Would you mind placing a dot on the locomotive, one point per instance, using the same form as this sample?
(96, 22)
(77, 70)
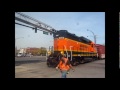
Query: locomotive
(76, 49)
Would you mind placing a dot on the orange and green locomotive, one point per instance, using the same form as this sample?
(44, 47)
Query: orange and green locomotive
(76, 49)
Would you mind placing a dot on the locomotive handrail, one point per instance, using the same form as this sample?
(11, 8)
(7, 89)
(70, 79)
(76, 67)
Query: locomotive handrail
(71, 52)
(66, 51)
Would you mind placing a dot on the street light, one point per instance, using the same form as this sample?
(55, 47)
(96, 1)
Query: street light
(16, 39)
(15, 44)
(93, 36)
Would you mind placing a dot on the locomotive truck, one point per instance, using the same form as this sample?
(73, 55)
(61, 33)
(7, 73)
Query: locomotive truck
(76, 49)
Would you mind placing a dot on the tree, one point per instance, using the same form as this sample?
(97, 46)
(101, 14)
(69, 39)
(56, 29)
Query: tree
(43, 51)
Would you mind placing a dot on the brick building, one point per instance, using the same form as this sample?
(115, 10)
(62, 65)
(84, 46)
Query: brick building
(36, 51)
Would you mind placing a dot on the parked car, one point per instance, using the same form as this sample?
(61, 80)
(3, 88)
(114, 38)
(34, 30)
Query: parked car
(27, 55)
(20, 55)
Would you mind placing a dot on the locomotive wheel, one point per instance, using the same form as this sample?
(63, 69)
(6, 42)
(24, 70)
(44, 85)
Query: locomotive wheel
(75, 63)
(48, 64)
(82, 61)
(93, 59)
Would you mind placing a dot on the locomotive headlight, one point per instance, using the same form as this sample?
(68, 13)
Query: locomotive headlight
(62, 52)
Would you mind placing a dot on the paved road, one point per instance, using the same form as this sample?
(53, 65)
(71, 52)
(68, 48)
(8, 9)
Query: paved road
(38, 69)
(33, 59)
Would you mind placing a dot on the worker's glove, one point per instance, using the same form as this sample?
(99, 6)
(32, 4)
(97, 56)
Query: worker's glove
(68, 72)
(56, 68)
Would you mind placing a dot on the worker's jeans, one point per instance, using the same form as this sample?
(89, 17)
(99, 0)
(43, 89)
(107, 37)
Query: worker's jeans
(64, 73)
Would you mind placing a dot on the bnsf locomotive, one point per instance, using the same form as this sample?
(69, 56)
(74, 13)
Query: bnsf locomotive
(76, 49)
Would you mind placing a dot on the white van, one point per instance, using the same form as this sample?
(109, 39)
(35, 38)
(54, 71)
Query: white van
(19, 54)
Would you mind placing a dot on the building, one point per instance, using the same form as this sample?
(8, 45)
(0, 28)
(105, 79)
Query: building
(36, 51)
(32, 50)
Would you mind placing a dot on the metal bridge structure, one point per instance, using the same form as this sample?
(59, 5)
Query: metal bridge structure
(33, 23)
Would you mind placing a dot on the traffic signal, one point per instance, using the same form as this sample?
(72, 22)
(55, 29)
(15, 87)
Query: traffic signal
(50, 33)
(35, 30)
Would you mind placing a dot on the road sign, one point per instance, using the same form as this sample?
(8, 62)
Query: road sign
(45, 32)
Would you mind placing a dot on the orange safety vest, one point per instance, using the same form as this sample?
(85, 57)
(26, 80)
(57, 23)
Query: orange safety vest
(63, 66)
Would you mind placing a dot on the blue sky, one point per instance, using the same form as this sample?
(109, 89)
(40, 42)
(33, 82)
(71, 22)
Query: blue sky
(74, 22)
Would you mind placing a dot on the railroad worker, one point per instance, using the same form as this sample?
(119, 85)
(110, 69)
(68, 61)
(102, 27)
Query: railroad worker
(64, 66)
